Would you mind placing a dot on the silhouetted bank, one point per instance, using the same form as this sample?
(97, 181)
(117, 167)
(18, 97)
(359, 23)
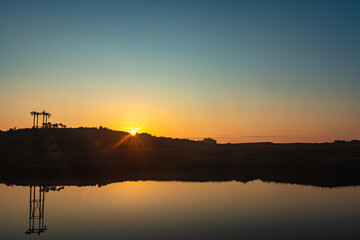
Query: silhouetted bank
(87, 156)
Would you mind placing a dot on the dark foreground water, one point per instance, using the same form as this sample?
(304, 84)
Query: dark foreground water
(183, 210)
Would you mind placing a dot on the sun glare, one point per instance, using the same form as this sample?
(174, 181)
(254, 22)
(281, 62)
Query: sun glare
(133, 132)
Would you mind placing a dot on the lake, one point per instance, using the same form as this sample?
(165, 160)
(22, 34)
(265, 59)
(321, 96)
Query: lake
(185, 210)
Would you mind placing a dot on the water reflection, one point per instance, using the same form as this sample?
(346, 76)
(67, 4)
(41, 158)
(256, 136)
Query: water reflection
(37, 208)
(183, 210)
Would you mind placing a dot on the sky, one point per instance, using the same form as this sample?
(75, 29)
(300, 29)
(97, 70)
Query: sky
(236, 71)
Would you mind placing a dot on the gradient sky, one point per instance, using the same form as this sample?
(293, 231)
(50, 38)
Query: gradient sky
(237, 71)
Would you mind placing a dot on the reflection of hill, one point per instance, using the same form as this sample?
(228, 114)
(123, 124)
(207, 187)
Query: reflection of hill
(101, 156)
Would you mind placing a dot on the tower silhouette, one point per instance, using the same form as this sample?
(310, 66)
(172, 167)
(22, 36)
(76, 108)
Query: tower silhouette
(38, 151)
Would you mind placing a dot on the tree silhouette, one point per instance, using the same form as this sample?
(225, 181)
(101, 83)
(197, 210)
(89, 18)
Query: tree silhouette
(209, 141)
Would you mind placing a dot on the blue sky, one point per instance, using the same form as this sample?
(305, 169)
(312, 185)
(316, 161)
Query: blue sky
(208, 64)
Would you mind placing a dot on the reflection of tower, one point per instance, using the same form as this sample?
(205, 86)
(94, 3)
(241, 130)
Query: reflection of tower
(36, 212)
(37, 208)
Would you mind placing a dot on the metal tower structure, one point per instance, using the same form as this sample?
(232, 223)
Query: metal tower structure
(38, 153)
(45, 116)
(36, 210)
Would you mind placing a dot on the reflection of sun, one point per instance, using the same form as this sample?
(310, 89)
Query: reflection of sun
(133, 132)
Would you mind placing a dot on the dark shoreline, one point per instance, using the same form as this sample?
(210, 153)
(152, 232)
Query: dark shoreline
(58, 179)
(91, 156)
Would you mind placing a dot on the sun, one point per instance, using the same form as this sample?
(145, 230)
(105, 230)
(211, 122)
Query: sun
(133, 132)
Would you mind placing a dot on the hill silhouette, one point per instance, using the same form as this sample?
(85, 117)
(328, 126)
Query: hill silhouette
(88, 156)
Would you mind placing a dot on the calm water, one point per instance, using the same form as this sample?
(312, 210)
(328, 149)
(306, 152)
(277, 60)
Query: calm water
(178, 210)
